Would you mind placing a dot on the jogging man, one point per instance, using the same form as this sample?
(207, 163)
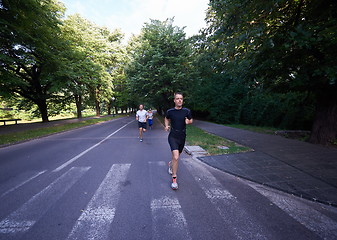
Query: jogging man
(141, 117)
(177, 117)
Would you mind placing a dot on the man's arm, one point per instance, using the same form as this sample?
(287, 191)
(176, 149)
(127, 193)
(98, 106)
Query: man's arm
(167, 124)
(188, 118)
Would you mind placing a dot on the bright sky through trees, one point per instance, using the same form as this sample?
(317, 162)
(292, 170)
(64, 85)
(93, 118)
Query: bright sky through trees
(130, 15)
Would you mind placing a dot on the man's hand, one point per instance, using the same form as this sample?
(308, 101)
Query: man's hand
(188, 121)
(167, 128)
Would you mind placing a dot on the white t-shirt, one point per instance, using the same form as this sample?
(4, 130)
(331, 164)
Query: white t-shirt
(150, 114)
(141, 114)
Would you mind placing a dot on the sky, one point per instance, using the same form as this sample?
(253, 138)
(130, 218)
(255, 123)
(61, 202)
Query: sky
(130, 15)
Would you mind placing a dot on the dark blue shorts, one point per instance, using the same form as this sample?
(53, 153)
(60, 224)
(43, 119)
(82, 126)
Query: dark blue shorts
(142, 125)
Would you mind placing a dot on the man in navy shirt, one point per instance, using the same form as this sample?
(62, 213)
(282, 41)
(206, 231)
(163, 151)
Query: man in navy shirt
(178, 117)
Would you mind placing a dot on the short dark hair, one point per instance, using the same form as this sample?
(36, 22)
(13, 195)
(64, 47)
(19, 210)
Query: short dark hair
(178, 93)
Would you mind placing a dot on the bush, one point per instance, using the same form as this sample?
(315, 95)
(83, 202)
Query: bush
(291, 110)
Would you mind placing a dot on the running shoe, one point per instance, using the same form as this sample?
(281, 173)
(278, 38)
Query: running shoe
(174, 184)
(141, 140)
(170, 167)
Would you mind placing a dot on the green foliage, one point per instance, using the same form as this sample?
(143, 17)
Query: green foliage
(29, 43)
(159, 63)
(286, 111)
(273, 61)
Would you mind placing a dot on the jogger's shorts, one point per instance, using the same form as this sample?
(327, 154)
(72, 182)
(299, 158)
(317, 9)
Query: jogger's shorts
(177, 141)
(142, 125)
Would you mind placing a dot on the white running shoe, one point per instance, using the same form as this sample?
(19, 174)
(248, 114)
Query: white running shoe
(174, 185)
(141, 140)
(170, 167)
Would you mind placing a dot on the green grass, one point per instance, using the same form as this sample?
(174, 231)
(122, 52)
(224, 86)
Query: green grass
(39, 132)
(267, 130)
(210, 142)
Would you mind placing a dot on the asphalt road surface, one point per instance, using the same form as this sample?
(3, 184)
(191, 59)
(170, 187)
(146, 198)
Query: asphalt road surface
(100, 182)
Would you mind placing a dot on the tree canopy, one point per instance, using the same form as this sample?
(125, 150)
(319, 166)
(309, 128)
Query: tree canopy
(160, 63)
(281, 52)
(30, 41)
(269, 63)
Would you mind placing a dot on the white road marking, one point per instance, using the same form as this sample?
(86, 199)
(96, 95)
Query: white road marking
(226, 204)
(312, 219)
(168, 217)
(89, 149)
(95, 221)
(30, 212)
(23, 183)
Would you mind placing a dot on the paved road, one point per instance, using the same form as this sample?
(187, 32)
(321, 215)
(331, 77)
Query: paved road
(100, 182)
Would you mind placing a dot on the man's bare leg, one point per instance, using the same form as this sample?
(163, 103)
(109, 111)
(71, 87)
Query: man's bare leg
(175, 158)
(141, 133)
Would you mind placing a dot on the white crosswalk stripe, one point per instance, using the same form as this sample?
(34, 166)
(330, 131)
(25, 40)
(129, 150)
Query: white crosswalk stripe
(306, 215)
(95, 221)
(226, 204)
(168, 218)
(25, 217)
(166, 211)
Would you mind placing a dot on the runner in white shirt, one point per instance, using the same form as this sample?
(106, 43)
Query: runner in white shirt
(141, 117)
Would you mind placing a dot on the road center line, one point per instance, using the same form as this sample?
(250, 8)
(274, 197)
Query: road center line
(89, 149)
(23, 183)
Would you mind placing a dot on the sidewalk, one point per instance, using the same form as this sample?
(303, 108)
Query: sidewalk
(299, 168)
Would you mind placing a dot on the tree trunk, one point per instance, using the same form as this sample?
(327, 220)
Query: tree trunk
(98, 108)
(324, 129)
(109, 107)
(42, 104)
(78, 101)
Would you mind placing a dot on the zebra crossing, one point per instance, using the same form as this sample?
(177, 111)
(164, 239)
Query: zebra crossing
(168, 215)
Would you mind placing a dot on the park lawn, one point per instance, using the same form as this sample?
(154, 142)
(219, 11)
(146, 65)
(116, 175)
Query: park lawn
(40, 132)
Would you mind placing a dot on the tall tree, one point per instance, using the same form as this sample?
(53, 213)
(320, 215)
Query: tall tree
(282, 46)
(93, 64)
(160, 63)
(29, 45)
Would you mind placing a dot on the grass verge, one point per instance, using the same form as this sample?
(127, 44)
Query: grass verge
(39, 132)
(210, 142)
(267, 130)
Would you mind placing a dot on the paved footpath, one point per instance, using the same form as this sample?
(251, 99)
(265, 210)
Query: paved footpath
(299, 168)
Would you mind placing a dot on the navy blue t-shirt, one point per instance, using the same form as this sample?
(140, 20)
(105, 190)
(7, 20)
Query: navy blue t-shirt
(177, 117)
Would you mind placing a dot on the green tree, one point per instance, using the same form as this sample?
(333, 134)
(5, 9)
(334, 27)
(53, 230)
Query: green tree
(93, 64)
(282, 46)
(29, 43)
(160, 63)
